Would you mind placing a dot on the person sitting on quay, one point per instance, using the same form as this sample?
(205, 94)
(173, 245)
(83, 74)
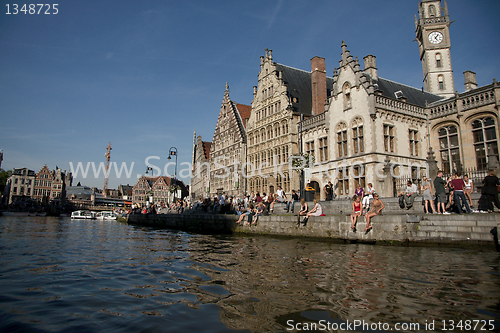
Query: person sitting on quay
(368, 196)
(316, 211)
(280, 197)
(268, 202)
(360, 192)
(377, 206)
(356, 211)
(295, 197)
(469, 189)
(427, 195)
(248, 211)
(259, 211)
(410, 193)
(458, 185)
(491, 190)
(303, 210)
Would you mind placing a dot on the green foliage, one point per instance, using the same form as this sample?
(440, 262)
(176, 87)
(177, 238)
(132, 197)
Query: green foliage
(4, 175)
(300, 164)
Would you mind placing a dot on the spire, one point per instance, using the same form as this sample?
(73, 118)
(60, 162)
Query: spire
(226, 91)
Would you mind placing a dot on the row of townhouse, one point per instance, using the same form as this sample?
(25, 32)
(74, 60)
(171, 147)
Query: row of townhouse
(44, 186)
(157, 190)
(356, 126)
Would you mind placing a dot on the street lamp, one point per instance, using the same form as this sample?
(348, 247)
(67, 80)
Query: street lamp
(150, 169)
(173, 152)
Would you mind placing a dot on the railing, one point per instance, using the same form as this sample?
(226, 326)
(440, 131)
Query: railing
(477, 100)
(443, 109)
(398, 106)
(313, 121)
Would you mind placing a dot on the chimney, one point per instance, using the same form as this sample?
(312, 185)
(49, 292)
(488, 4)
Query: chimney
(370, 66)
(318, 85)
(470, 80)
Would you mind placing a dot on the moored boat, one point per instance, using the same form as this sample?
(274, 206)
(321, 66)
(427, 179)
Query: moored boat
(83, 215)
(106, 215)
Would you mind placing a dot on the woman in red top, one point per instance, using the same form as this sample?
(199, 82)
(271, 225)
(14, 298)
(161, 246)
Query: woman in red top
(356, 211)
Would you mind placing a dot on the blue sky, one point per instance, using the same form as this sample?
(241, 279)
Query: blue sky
(144, 75)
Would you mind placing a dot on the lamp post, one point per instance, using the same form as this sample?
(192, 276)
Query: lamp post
(173, 152)
(152, 173)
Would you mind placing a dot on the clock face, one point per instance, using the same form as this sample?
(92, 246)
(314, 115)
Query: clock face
(435, 37)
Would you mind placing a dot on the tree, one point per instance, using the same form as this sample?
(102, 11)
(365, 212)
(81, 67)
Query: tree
(4, 175)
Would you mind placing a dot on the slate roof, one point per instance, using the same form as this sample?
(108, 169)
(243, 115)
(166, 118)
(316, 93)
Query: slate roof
(298, 84)
(413, 95)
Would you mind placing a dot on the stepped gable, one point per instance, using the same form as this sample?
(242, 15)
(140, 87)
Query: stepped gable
(298, 83)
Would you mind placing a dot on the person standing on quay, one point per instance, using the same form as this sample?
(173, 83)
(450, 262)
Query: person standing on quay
(458, 185)
(427, 194)
(329, 191)
(295, 197)
(439, 185)
(490, 189)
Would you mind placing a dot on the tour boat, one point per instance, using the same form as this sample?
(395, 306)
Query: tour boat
(83, 215)
(106, 215)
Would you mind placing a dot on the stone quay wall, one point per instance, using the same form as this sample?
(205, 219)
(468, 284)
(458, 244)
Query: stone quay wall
(394, 226)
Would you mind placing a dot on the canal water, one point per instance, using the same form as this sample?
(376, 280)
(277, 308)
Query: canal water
(63, 275)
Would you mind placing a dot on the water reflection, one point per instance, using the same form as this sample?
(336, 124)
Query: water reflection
(62, 275)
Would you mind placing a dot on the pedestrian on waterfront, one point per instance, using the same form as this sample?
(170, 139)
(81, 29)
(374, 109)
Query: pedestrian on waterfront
(469, 189)
(246, 213)
(295, 197)
(490, 189)
(439, 185)
(377, 206)
(458, 185)
(411, 193)
(360, 192)
(427, 195)
(368, 197)
(258, 198)
(270, 203)
(259, 211)
(329, 191)
(316, 211)
(303, 210)
(280, 197)
(356, 211)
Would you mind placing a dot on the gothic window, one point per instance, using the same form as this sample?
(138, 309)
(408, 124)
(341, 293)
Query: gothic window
(323, 149)
(357, 136)
(347, 96)
(441, 82)
(448, 148)
(485, 137)
(388, 138)
(343, 181)
(310, 148)
(413, 136)
(438, 60)
(286, 184)
(359, 175)
(342, 139)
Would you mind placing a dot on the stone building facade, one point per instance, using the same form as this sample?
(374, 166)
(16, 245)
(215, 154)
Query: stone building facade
(200, 186)
(20, 185)
(283, 95)
(228, 148)
(361, 128)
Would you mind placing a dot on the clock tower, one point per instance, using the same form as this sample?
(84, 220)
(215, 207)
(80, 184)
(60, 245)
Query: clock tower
(432, 29)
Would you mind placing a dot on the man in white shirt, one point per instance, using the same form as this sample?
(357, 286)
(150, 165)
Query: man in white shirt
(410, 194)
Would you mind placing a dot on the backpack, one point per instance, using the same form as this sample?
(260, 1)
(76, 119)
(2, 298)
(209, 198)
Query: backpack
(402, 202)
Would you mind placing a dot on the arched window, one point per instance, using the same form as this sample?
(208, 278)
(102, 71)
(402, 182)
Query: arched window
(448, 148)
(438, 60)
(347, 96)
(485, 137)
(441, 82)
